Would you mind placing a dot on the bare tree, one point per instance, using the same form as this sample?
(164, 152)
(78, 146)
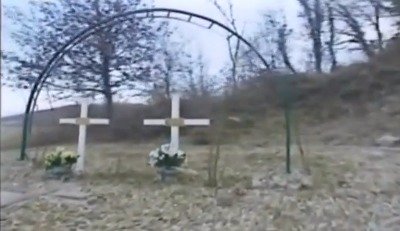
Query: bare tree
(360, 15)
(171, 65)
(198, 80)
(395, 11)
(203, 86)
(111, 61)
(375, 20)
(283, 34)
(373, 11)
(271, 40)
(313, 12)
(396, 5)
(191, 87)
(354, 30)
(234, 43)
(332, 36)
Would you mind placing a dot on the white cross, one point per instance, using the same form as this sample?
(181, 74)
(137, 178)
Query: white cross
(83, 121)
(175, 122)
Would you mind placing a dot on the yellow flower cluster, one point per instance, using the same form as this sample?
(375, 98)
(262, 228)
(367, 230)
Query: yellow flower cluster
(59, 157)
(68, 154)
(48, 160)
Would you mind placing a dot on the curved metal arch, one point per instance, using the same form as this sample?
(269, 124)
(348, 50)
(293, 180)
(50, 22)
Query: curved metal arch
(38, 85)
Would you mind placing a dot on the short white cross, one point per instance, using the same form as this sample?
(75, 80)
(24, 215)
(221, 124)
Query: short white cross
(83, 121)
(175, 122)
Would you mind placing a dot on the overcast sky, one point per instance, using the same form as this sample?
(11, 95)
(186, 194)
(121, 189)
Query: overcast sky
(211, 43)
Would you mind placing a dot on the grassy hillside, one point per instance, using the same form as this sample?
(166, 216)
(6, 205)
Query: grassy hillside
(353, 105)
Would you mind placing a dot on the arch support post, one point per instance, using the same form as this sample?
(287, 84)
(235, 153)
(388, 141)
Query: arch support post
(24, 144)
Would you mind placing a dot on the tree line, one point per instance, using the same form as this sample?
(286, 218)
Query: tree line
(138, 57)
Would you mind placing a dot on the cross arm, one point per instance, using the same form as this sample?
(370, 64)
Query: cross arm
(84, 121)
(198, 122)
(68, 121)
(154, 122)
(99, 121)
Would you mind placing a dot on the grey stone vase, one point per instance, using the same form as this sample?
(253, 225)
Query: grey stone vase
(63, 173)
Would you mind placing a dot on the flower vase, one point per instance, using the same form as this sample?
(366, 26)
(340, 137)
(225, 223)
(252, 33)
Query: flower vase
(59, 172)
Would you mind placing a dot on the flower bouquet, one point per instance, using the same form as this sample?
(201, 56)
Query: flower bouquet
(166, 162)
(59, 162)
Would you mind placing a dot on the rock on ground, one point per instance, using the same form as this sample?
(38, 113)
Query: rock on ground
(388, 140)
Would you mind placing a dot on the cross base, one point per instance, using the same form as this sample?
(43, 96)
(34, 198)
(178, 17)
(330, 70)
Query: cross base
(167, 174)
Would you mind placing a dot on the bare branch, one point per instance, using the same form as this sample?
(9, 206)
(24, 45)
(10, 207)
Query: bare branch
(356, 30)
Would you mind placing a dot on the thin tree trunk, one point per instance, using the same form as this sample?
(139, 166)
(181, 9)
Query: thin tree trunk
(377, 26)
(332, 38)
(315, 17)
(282, 47)
(167, 81)
(107, 85)
(233, 55)
(318, 20)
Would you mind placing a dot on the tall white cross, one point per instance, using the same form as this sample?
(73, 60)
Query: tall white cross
(175, 122)
(83, 121)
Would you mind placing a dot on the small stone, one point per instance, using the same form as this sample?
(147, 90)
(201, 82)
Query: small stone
(278, 181)
(239, 191)
(347, 193)
(392, 222)
(257, 181)
(92, 201)
(9, 197)
(386, 185)
(306, 182)
(71, 192)
(374, 189)
(376, 154)
(224, 200)
(388, 140)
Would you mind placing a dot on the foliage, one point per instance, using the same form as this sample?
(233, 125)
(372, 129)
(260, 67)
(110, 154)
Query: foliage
(162, 158)
(396, 11)
(60, 158)
(113, 60)
(271, 39)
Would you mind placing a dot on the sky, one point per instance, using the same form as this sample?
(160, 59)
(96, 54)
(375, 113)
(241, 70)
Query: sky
(212, 43)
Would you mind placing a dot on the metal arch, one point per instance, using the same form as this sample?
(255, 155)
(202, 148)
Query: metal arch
(38, 85)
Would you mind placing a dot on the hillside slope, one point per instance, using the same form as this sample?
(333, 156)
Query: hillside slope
(353, 105)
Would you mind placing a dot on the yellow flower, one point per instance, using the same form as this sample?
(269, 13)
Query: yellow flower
(59, 154)
(67, 154)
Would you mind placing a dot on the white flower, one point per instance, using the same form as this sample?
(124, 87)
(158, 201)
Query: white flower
(153, 157)
(157, 156)
(165, 148)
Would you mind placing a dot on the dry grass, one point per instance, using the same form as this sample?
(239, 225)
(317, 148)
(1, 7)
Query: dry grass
(121, 182)
(124, 163)
(366, 92)
(118, 164)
